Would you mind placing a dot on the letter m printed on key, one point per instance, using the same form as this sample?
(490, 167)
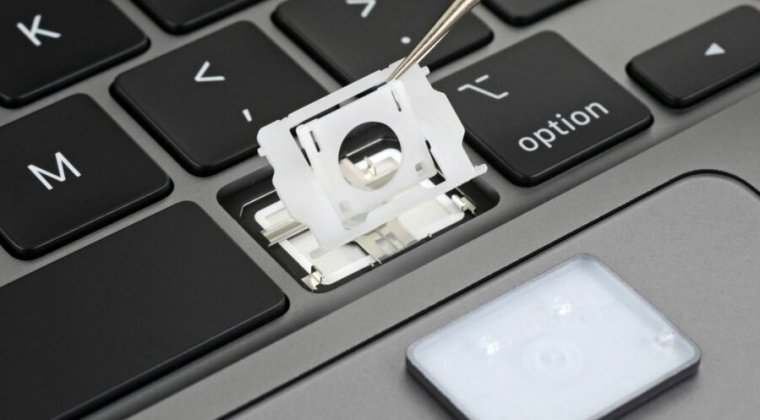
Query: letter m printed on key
(36, 31)
(63, 164)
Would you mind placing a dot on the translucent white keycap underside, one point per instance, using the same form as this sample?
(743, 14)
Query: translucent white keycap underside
(575, 343)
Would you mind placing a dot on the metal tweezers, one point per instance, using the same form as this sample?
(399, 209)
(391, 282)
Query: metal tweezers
(455, 12)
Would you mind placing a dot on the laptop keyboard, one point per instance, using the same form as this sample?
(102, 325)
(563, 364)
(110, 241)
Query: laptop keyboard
(533, 111)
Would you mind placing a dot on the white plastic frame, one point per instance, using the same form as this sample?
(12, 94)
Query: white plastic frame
(315, 191)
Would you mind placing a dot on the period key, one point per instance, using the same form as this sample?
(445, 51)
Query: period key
(541, 107)
(701, 62)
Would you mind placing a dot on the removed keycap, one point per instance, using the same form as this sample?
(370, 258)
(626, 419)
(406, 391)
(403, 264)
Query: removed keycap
(540, 107)
(702, 61)
(575, 343)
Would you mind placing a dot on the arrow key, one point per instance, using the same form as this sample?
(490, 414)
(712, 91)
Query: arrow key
(206, 101)
(703, 61)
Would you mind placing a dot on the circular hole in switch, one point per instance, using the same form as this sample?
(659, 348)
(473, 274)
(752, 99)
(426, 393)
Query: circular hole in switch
(370, 156)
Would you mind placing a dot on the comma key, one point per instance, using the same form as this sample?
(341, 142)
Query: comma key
(541, 107)
(206, 101)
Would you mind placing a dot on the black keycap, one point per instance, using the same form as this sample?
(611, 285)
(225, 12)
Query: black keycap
(703, 61)
(357, 37)
(540, 107)
(207, 101)
(525, 12)
(184, 16)
(48, 44)
(101, 322)
(67, 170)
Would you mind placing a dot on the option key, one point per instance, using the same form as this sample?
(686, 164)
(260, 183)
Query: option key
(540, 107)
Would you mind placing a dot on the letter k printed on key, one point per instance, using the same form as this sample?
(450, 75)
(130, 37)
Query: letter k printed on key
(35, 32)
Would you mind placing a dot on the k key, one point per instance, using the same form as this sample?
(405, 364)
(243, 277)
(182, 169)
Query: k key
(48, 44)
(66, 170)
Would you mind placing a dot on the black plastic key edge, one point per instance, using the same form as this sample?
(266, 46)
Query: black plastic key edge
(525, 20)
(180, 28)
(72, 78)
(181, 156)
(160, 192)
(674, 101)
(154, 129)
(320, 56)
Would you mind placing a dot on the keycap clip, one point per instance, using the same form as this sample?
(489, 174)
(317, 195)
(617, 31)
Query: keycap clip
(340, 200)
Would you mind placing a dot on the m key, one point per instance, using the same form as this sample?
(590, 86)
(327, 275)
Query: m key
(48, 44)
(703, 61)
(540, 107)
(66, 170)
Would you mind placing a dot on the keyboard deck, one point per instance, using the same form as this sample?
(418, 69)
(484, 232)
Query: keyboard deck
(168, 93)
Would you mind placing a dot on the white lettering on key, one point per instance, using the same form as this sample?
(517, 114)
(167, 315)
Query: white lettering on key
(201, 77)
(480, 90)
(35, 32)
(561, 127)
(62, 163)
(369, 5)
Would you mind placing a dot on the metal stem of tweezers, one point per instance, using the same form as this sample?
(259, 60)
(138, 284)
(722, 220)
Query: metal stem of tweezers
(455, 12)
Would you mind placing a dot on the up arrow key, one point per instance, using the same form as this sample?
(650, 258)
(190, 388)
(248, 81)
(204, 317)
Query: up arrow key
(201, 77)
(714, 49)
